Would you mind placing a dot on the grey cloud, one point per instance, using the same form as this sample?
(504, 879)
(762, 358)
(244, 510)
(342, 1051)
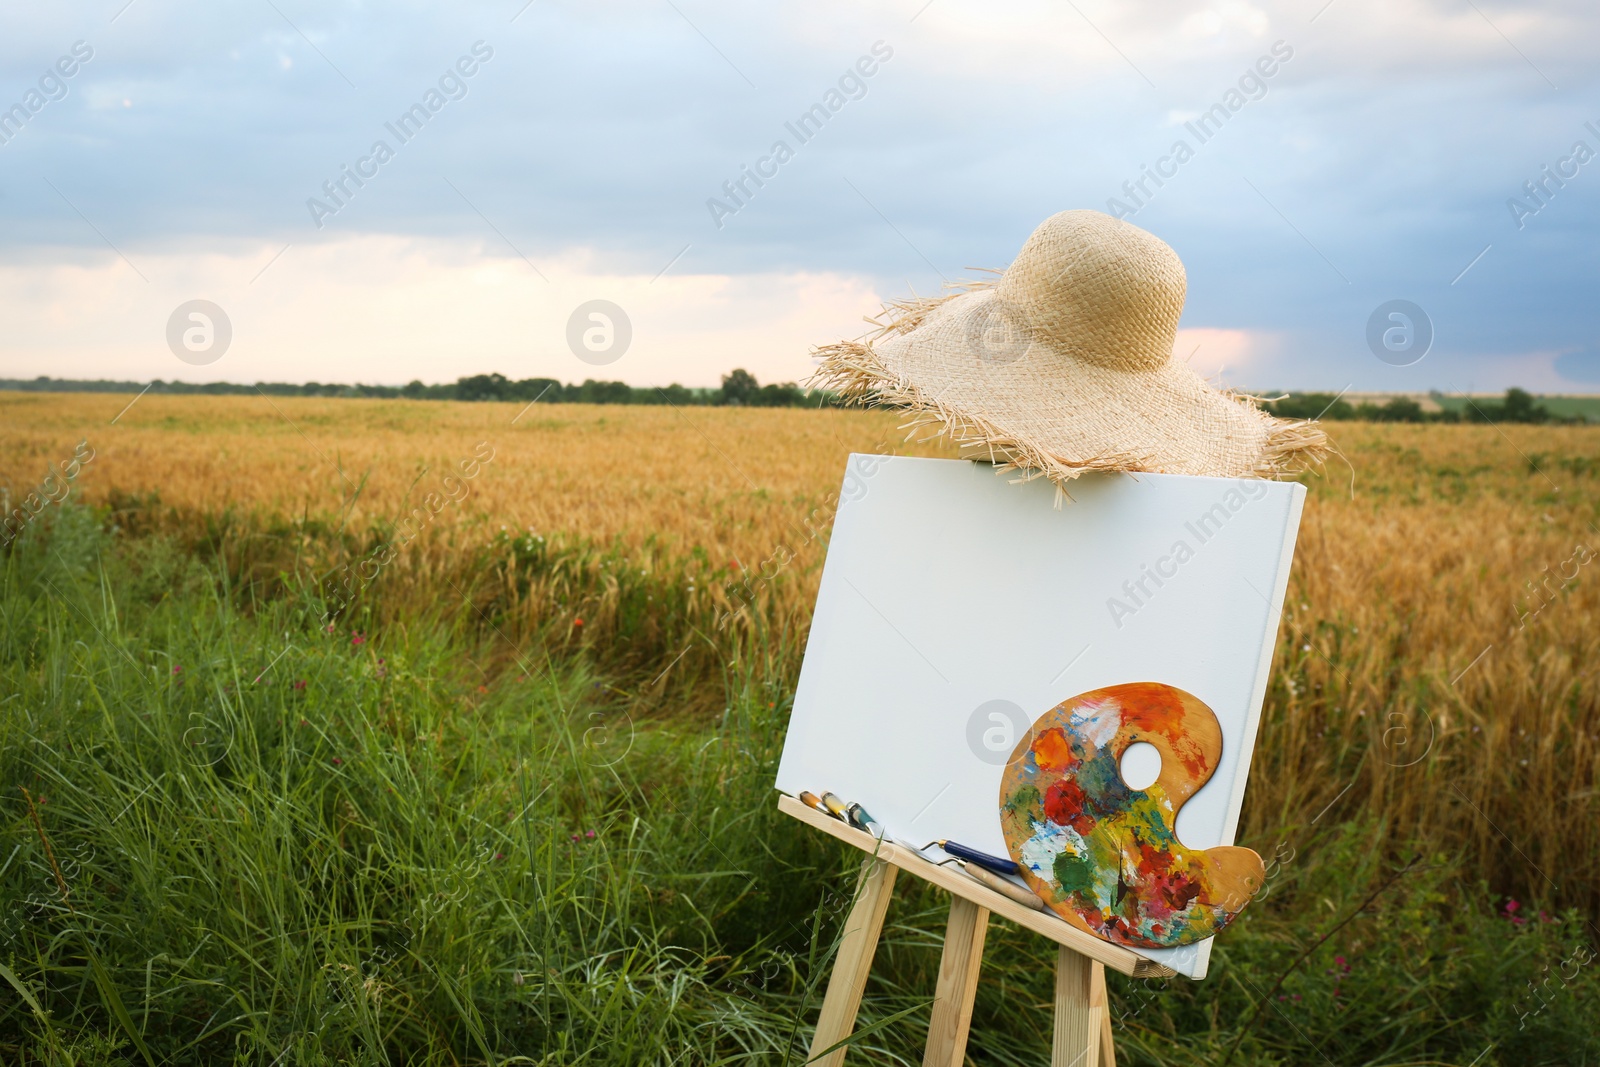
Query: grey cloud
(607, 126)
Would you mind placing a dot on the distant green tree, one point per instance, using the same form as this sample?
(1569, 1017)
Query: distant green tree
(1518, 406)
(596, 392)
(544, 390)
(739, 387)
(483, 387)
(1311, 406)
(676, 395)
(787, 395)
(1400, 409)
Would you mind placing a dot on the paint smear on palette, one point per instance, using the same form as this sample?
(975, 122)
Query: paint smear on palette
(1107, 858)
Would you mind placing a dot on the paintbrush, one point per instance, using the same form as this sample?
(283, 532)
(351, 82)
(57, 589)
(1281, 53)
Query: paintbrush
(831, 804)
(811, 800)
(981, 866)
(996, 864)
(1005, 887)
(835, 806)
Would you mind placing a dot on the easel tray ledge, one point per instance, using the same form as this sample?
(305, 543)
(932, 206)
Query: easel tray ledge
(1044, 923)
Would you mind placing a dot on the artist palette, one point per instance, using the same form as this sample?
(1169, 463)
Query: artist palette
(1106, 857)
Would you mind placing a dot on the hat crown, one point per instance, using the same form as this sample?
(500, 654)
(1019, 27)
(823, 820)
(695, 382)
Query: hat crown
(1098, 289)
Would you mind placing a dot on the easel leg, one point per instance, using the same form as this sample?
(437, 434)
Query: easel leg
(1079, 1020)
(1100, 1004)
(854, 959)
(958, 984)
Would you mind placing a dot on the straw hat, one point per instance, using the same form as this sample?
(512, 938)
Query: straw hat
(1064, 365)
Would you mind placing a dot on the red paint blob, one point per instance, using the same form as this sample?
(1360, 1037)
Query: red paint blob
(1066, 805)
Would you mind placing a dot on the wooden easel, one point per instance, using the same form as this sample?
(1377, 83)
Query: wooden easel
(1083, 1026)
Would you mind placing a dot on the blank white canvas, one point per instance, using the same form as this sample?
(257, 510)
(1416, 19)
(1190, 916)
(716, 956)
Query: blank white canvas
(947, 587)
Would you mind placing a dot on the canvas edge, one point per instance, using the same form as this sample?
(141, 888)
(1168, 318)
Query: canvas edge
(1252, 724)
(1230, 822)
(778, 774)
(1269, 647)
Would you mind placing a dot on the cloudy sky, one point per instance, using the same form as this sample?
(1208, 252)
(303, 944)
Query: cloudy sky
(560, 153)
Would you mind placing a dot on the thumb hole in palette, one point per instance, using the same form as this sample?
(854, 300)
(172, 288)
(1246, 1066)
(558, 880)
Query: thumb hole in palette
(1141, 765)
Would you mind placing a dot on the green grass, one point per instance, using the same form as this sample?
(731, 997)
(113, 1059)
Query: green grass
(1565, 407)
(1561, 407)
(230, 835)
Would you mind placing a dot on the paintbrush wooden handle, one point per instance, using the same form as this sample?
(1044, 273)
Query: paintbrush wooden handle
(1005, 887)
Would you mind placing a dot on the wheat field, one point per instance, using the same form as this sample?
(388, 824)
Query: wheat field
(1440, 598)
(721, 478)
(1435, 678)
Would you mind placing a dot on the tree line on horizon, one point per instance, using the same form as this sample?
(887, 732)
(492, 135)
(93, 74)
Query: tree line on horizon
(1518, 406)
(740, 388)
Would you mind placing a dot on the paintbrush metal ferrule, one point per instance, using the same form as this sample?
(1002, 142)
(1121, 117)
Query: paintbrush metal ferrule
(997, 864)
(862, 819)
(811, 800)
(835, 806)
